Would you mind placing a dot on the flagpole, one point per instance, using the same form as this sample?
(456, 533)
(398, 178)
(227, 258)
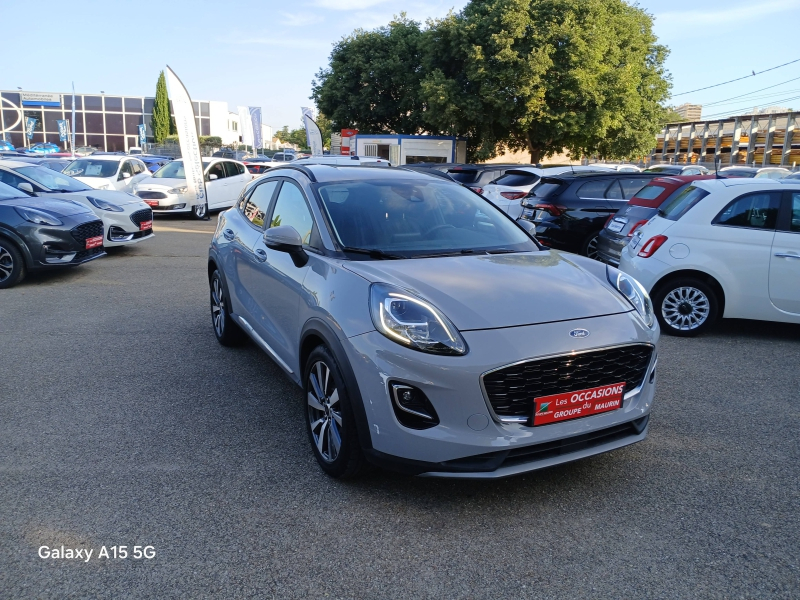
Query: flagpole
(72, 128)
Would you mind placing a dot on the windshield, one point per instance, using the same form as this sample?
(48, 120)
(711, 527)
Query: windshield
(6, 192)
(662, 169)
(677, 206)
(88, 167)
(414, 218)
(174, 170)
(737, 173)
(53, 180)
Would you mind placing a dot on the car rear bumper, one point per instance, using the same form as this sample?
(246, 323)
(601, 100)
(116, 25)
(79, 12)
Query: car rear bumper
(609, 247)
(470, 440)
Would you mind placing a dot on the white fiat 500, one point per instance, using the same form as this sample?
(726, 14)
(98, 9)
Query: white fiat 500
(166, 190)
(126, 219)
(721, 248)
(108, 171)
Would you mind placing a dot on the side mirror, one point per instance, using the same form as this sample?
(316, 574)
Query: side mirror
(25, 187)
(286, 239)
(530, 228)
(212, 177)
(125, 175)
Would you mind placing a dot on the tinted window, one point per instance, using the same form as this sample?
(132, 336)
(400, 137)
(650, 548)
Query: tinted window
(593, 189)
(515, 179)
(418, 217)
(759, 211)
(794, 225)
(738, 173)
(291, 209)
(614, 191)
(543, 190)
(463, 175)
(675, 208)
(11, 179)
(255, 206)
(216, 169)
(650, 192)
(230, 169)
(632, 185)
(126, 168)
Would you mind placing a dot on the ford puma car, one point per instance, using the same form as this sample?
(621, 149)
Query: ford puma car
(429, 332)
(126, 218)
(41, 233)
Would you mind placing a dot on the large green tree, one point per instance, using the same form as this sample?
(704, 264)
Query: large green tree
(372, 82)
(161, 121)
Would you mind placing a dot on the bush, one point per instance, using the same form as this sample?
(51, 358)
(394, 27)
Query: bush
(210, 140)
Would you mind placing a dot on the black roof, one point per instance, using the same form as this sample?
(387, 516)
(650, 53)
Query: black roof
(578, 175)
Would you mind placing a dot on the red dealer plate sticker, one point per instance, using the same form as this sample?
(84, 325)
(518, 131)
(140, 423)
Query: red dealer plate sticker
(151, 202)
(145, 225)
(574, 405)
(94, 242)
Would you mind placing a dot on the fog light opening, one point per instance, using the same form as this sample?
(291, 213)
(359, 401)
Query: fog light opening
(411, 407)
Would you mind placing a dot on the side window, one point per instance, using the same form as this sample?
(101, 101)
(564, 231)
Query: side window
(125, 168)
(757, 211)
(631, 185)
(593, 189)
(230, 169)
(141, 165)
(137, 167)
(614, 191)
(216, 169)
(794, 223)
(291, 209)
(255, 206)
(14, 180)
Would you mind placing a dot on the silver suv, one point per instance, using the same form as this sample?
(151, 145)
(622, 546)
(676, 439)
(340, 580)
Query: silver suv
(430, 333)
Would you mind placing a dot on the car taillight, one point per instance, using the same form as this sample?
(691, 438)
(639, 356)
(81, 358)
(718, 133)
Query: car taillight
(608, 220)
(651, 245)
(551, 208)
(477, 190)
(636, 226)
(513, 195)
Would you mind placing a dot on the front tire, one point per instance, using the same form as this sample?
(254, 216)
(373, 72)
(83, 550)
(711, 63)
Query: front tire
(589, 246)
(329, 417)
(12, 265)
(686, 307)
(200, 211)
(226, 330)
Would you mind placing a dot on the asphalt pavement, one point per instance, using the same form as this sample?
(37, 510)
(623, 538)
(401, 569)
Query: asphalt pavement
(124, 423)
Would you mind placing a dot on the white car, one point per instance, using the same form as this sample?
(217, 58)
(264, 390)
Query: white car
(126, 219)
(166, 190)
(108, 171)
(721, 248)
(507, 191)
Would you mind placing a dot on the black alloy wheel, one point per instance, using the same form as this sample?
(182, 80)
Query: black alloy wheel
(329, 416)
(12, 265)
(589, 247)
(686, 307)
(227, 332)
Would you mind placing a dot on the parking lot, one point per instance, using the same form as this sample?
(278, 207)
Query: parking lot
(123, 422)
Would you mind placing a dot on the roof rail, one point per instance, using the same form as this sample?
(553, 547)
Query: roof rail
(303, 169)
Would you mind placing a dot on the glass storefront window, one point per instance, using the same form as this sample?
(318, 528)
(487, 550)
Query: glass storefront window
(94, 122)
(114, 123)
(133, 105)
(92, 103)
(113, 104)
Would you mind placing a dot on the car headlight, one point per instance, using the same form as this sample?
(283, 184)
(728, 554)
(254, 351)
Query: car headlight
(39, 217)
(103, 205)
(178, 190)
(104, 186)
(633, 292)
(410, 321)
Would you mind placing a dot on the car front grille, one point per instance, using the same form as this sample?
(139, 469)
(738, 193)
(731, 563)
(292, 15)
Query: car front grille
(511, 390)
(140, 216)
(151, 195)
(81, 233)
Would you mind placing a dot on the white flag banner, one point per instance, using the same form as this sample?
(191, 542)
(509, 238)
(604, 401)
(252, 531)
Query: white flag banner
(188, 138)
(245, 125)
(313, 135)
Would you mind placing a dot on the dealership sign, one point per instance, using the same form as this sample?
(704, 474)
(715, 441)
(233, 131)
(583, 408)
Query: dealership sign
(40, 99)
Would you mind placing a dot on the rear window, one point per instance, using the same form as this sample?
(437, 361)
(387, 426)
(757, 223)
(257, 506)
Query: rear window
(517, 179)
(544, 190)
(463, 176)
(675, 208)
(648, 196)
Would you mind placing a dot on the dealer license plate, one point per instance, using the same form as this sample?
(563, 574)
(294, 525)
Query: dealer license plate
(616, 226)
(151, 203)
(94, 242)
(145, 225)
(574, 405)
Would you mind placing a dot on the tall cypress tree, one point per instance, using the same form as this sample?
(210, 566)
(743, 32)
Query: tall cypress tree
(161, 122)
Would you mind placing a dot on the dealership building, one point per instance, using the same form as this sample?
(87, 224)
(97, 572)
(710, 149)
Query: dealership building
(104, 121)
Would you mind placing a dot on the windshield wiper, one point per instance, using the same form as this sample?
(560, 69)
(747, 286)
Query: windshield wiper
(501, 251)
(373, 253)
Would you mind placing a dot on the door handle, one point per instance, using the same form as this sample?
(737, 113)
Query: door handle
(261, 255)
(228, 234)
(785, 255)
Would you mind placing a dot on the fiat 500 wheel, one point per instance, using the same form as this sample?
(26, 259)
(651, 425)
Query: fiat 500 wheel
(686, 307)
(329, 416)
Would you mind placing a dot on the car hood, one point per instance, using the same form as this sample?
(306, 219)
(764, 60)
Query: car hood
(504, 290)
(55, 206)
(113, 196)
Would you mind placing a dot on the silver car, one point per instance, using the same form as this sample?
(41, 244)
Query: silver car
(430, 333)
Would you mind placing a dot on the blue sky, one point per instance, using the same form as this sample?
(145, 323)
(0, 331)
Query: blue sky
(266, 53)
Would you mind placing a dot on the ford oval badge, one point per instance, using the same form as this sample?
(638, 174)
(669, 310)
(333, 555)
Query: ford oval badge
(579, 333)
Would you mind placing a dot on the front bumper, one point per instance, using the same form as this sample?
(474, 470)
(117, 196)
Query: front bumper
(469, 441)
(65, 245)
(163, 202)
(124, 229)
